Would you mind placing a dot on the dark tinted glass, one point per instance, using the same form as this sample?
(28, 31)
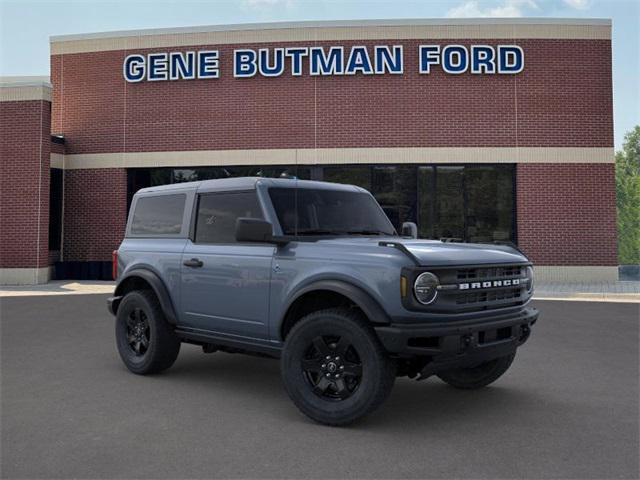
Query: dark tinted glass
(159, 215)
(489, 193)
(211, 173)
(55, 209)
(474, 203)
(218, 212)
(470, 202)
(426, 204)
(138, 178)
(328, 212)
(394, 187)
(360, 176)
(303, 173)
(450, 203)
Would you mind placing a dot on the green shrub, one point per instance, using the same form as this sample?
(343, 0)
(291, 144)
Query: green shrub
(628, 198)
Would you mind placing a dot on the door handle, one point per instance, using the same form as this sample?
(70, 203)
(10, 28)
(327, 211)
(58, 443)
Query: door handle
(193, 263)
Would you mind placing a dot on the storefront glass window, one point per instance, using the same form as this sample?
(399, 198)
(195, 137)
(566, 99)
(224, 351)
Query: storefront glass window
(360, 176)
(449, 201)
(489, 203)
(395, 188)
(55, 209)
(473, 203)
(426, 203)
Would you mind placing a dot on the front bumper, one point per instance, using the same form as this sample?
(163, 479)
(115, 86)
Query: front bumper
(456, 344)
(112, 304)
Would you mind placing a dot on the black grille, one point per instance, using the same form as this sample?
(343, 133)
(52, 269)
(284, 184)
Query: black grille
(493, 272)
(493, 296)
(474, 289)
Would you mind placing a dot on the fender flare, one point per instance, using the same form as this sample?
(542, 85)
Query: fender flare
(370, 307)
(158, 287)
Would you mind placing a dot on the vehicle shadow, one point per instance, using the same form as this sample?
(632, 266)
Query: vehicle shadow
(412, 405)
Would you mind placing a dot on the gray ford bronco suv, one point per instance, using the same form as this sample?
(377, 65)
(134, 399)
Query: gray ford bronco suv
(315, 274)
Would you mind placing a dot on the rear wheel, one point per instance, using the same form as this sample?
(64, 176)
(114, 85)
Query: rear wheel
(146, 342)
(478, 376)
(334, 368)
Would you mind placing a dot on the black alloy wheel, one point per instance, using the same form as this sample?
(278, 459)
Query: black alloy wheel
(146, 342)
(138, 334)
(332, 367)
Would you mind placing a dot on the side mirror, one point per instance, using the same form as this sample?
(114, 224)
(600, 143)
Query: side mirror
(253, 230)
(256, 230)
(409, 229)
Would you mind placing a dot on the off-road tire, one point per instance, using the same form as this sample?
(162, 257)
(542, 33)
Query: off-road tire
(479, 376)
(163, 344)
(377, 370)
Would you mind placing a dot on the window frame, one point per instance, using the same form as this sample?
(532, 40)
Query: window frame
(186, 214)
(196, 208)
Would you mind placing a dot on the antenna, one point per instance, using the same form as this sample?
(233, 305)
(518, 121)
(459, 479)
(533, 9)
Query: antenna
(295, 198)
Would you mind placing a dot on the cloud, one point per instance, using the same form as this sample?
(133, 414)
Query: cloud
(578, 4)
(508, 8)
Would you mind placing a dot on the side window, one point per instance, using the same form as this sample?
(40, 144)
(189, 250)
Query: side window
(159, 215)
(218, 212)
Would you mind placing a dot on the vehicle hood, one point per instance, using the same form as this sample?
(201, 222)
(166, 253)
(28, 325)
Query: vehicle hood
(437, 253)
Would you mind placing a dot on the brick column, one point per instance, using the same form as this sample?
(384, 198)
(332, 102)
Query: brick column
(95, 205)
(25, 145)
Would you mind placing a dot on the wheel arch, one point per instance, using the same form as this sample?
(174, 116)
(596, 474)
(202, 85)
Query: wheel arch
(141, 279)
(334, 293)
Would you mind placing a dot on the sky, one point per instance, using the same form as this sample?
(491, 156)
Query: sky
(25, 26)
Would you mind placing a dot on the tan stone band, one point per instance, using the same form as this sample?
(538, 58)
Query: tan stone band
(24, 276)
(329, 156)
(19, 94)
(335, 31)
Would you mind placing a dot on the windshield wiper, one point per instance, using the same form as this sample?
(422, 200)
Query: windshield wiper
(317, 231)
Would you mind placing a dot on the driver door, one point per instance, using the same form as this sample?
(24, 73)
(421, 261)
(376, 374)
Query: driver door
(225, 284)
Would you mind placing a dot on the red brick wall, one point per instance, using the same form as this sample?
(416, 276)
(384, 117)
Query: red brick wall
(94, 213)
(567, 213)
(24, 183)
(563, 98)
(57, 148)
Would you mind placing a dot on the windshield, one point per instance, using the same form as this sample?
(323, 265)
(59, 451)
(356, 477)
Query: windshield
(328, 212)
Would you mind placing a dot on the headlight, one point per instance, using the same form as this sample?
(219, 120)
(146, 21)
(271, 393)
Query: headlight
(425, 288)
(530, 279)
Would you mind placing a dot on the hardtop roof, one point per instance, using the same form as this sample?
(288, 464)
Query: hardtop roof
(246, 183)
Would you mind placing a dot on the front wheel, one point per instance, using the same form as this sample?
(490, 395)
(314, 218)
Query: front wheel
(334, 368)
(479, 376)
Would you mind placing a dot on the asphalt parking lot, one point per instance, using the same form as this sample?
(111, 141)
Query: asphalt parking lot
(568, 408)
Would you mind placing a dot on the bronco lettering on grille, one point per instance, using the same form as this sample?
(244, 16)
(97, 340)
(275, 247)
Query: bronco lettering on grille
(489, 284)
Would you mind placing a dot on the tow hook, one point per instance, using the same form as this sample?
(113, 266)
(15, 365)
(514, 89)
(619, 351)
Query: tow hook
(524, 333)
(466, 340)
(208, 348)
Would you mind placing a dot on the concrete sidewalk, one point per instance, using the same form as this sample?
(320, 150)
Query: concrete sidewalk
(584, 292)
(589, 292)
(58, 287)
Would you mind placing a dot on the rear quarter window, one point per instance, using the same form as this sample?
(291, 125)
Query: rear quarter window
(158, 215)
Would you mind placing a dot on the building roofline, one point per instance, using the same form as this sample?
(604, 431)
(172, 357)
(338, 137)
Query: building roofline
(24, 81)
(333, 24)
(18, 89)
